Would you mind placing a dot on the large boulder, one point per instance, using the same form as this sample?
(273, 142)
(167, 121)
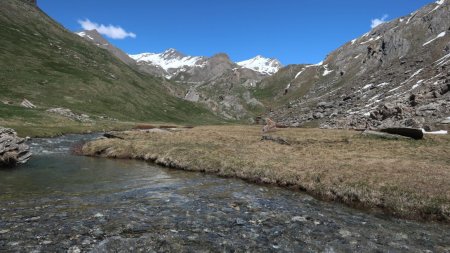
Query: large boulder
(13, 150)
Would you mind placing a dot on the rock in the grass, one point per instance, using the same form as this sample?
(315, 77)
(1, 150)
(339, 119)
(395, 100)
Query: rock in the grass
(69, 114)
(27, 104)
(276, 139)
(112, 136)
(384, 135)
(13, 150)
(414, 133)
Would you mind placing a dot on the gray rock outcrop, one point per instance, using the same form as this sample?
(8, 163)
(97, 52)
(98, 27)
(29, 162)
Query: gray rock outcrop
(69, 114)
(13, 150)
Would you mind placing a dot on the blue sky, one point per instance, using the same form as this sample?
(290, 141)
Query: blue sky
(293, 31)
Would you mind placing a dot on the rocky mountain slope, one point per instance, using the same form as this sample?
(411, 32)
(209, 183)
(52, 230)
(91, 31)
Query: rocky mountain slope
(94, 37)
(50, 67)
(396, 74)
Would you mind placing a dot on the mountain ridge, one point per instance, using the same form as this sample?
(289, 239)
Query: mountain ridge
(177, 61)
(96, 38)
(387, 77)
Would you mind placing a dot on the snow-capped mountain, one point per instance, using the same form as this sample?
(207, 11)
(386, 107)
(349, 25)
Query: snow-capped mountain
(261, 64)
(216, 81)
(169, 59)
(173, 62)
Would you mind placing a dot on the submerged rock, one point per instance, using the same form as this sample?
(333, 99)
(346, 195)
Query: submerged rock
(13, 150)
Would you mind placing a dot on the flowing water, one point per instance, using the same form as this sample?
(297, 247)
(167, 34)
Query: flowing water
(58, 202)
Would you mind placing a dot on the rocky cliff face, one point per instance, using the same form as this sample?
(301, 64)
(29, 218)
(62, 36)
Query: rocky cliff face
(396, 74)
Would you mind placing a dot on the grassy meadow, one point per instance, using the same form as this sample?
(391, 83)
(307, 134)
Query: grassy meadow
(404, 178)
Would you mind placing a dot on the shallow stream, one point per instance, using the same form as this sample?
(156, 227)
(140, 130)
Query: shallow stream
(59, 202)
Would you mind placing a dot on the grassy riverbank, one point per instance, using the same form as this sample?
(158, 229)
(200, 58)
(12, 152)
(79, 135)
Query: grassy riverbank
(40, 123)
(404, 178)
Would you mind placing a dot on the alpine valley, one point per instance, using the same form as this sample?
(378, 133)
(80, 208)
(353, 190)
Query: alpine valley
(394, 75)
(106, 151)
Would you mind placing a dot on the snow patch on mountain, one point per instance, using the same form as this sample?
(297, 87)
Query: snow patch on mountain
(327, 71)
(442, 34)
(439, 3)
(370, 40)
(84, 35)
(261, 64)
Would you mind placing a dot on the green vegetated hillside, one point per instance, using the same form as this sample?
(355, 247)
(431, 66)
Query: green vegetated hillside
(270, 90)
(51, 67)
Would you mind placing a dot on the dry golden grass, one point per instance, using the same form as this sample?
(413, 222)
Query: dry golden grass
(405, 178)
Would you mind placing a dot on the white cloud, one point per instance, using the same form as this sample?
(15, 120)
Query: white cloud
(378, 21)
(113, 32)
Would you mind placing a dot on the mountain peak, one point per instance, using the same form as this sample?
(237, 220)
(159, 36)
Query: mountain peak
(170, 50)
(262, 64)
(172, 53)
(222, 56)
